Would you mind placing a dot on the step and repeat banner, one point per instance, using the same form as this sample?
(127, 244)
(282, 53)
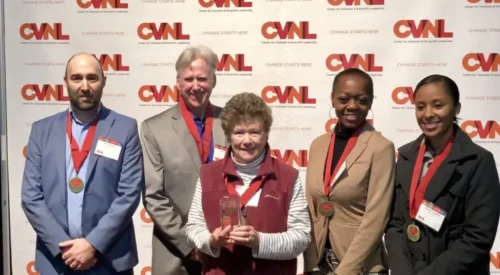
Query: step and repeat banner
(286, 51)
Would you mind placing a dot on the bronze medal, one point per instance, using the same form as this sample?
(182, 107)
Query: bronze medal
(325, 208)
(413, 232)
(76, 185)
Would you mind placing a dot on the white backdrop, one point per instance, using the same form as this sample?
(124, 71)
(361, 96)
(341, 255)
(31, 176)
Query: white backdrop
(288, 51)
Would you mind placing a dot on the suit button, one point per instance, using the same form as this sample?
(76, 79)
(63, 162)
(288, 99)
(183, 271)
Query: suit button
(424, 257)
(411, 252)
(407, 205)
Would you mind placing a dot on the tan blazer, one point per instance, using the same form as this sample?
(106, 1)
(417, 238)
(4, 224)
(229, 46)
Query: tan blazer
(362, 194)
(172, 168)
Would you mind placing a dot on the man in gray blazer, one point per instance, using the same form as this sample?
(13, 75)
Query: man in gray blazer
(176, 143)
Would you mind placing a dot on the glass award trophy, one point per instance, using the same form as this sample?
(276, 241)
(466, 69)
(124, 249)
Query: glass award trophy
(230, 210)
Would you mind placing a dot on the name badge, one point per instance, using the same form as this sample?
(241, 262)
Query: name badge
(431, 215)
(219, 152)
(108, 148)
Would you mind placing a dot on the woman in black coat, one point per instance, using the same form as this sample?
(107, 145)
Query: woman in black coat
(447, 193)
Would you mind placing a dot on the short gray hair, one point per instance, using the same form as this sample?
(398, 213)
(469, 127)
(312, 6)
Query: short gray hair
(192, 53)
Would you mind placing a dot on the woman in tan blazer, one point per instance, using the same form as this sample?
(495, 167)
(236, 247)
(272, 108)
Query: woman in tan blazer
(358, 165)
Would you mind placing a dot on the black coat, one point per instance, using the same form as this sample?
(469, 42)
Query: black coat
(467, 186)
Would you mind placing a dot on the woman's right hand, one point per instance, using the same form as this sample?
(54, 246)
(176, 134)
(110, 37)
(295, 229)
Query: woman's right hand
(220, 237)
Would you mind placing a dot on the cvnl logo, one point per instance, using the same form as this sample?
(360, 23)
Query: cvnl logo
(495, 259)
(473, 62)
(287, 95)
(484, 1)
(43, 32)
(287, 30)
(143, 214)
(225, 3)
(403, 96)
(146, 270)
(45, 92)
(294, 158)
(112, 62)
(159, 94)
(161, 31)
(481, 129)
(102, 4)
(421, 29)
(356, 2)
(227, 63)
(338, 62)
(30, 269)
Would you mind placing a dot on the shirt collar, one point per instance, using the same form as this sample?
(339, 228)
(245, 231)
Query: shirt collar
(197, 119)
(73, 117)
(429, 152)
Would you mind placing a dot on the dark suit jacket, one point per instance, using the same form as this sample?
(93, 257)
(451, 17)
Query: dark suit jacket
(466, 185)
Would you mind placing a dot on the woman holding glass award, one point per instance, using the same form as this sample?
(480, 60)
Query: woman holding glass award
(249, 213)
(349, 185)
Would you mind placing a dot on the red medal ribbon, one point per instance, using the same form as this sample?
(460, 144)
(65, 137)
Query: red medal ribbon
(248, 194)
(417, 193)
(329, 174)
(78, 156)
(203, 146)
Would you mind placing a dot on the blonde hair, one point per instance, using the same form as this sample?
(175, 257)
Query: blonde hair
(192, 53)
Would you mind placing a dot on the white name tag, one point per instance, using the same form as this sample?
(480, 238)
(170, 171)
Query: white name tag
(431, 215)
(108, 148)
(219, 152)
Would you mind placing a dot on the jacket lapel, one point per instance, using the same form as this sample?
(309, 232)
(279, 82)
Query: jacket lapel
(443, 175)
(406, 163)
(106, 120)
(439, 180)
(184, 135)
(60, 137)
(317, 166)
(405, 171)
(360, 146)
(342, 169)
(217, 133)
(358, 149)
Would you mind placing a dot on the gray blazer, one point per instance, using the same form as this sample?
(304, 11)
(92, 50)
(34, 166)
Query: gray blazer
(172, 168)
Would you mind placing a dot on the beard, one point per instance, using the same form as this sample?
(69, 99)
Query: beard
(84, 103)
